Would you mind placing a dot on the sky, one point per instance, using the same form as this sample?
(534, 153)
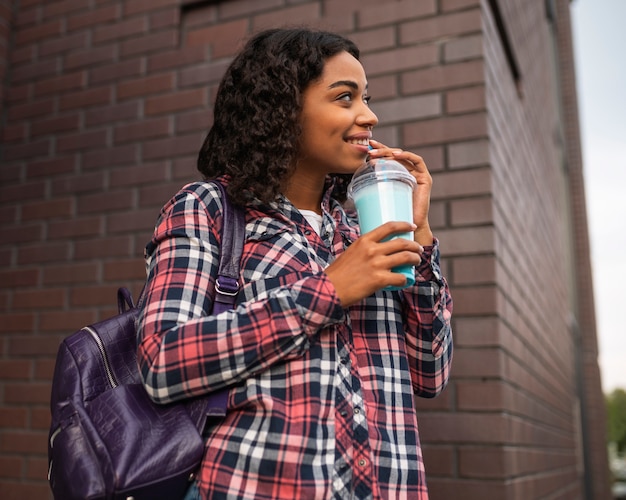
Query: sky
(599, 44)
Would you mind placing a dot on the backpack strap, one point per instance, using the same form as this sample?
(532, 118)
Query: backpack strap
(233, 235)
(226, 288)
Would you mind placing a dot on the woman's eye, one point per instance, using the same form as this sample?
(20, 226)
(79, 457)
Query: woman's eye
(345, 97)
(367, 99)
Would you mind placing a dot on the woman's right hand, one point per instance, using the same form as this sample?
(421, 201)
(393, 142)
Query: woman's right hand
(366, 264)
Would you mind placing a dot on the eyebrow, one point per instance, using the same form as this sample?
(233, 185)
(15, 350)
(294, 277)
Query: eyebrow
(347, 83)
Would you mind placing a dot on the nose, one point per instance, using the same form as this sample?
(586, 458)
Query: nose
(366, 117)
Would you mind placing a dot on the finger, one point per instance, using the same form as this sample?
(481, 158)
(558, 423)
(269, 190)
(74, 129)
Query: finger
(389, 229)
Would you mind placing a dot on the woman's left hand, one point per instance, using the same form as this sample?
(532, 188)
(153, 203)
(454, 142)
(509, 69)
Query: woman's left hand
(421, 195)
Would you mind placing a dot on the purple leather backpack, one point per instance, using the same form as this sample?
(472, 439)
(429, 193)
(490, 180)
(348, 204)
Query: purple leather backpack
(108, 439)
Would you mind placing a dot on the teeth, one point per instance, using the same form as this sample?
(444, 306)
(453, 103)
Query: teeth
(361, 142)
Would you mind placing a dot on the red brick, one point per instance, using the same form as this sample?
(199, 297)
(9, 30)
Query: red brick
(471, 211)
(115, 72)
(129, 222)
(16, 322)
(477, 300)
(447, 129)
(40, 32)
(111, 246)
(26, 151)
(224, 39)
(34, 71)
(95, 17)
(19, 491)
(468, 154)
(464, 48)
(178, 101)
(18, 93)
(14, 369)
(47, 209)
(111, 157)
(165, 18)
(374, 40)
(442, 26)
(479, 362)
(64, 7)
(474, 270)
(108, 201)
(30, 110)
(194, 121)
(173, 147)
(161, 40)
(391, 12)
(44, 369)
(47, 298)
(111, 114)
(158, 195)
(90, 57)
(399, 59)
(298, 14)
(408, 108)
(82, 183)
(140, 6)
(59, 45)
(98, 295)
(14, 133)
(184, 58)
(464, 100)
(439, 460)
(146, 129)
(55, 125)
(119, 270)
(120, 30)
(36, 468)
(44, 253)
(11, 467)
(464, 427)
(85, 99)
(202, 74)
(23, 55)
(90, 226)
(155, 84)
(443, 77)
(82, 141)
(24, 441)
(63, 83)
(65, 321)
(22, 192)
(137, 175)
(19, 278)
(448, 5)
(21, 233)
(229, 10)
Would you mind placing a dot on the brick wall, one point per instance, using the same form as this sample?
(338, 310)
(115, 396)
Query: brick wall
(106, 103)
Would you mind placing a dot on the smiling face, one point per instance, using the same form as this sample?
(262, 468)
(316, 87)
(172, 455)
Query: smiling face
(336, 120)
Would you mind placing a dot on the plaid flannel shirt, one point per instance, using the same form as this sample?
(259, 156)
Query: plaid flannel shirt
(321, 397)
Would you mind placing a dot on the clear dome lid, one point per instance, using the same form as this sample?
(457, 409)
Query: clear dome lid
(379, 170)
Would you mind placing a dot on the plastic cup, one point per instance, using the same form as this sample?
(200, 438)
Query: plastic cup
(382, 191)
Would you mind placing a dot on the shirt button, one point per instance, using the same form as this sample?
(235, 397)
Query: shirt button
(343, 413)
(362, 462)
(357, 411)
(307, 232)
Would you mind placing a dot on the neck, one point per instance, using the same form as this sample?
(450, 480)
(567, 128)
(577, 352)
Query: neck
(305, 192)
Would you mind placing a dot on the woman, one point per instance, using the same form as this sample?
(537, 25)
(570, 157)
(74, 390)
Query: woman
(320, 362)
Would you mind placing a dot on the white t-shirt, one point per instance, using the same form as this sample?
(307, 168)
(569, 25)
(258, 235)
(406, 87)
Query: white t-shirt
(314, 219)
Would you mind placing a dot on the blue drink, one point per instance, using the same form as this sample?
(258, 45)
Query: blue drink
(382, 191)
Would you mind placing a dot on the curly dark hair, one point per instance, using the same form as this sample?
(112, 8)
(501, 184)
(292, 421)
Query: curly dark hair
(255, 134)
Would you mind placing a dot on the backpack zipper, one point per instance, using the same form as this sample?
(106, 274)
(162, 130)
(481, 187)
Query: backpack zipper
(105, 359)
